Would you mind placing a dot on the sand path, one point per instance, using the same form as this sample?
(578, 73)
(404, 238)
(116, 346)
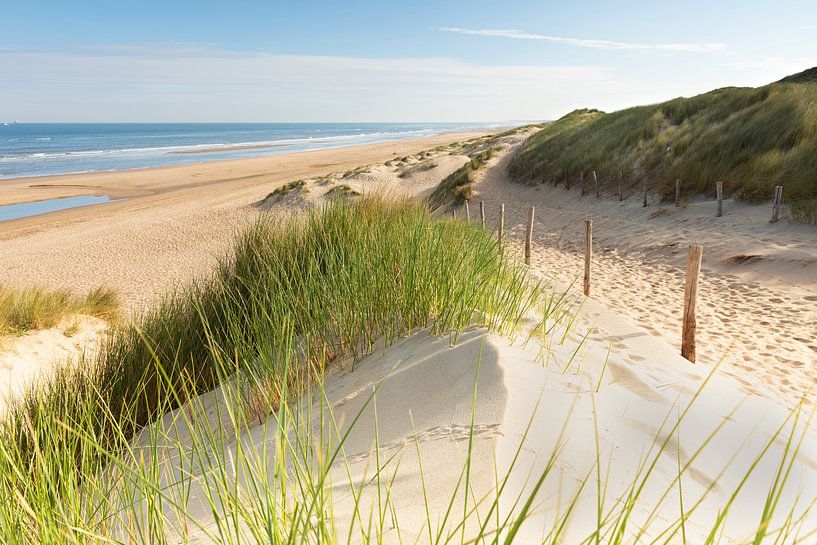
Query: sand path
(758, 314)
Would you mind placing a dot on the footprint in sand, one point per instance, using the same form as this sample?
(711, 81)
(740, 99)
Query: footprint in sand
(635, 357)
(811, 298)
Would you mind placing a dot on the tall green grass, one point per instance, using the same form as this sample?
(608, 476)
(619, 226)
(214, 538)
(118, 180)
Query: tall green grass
(751, 139)
(25, 309)
(295, 296)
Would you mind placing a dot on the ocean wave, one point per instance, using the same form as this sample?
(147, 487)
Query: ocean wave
(217, 147)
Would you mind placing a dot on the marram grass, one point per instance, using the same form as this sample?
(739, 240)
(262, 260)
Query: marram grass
(751, 139)
(294, 296)
(25, 309)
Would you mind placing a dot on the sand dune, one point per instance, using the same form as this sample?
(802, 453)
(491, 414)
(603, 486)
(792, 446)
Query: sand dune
(417, 397)
(614, 375)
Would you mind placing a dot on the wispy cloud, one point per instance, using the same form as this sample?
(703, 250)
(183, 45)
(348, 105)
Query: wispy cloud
(183, 82)
(198, 82)
(595, 44)
(809, 27)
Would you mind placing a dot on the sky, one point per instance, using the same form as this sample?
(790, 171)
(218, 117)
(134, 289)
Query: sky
(361, 60)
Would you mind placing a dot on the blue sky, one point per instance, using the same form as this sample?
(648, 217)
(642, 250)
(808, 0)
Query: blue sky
(448, 60)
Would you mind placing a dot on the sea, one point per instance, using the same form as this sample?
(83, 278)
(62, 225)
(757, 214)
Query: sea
(42, 149)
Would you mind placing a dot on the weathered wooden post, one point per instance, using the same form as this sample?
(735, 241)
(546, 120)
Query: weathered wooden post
(529, 235)
(690, 302)
(596, 184)
(588, 254)
(482, 213)
(620, 192)
(454, 213)
(567, 181)
(644, 203)
(778, 200)
(467, 212)
(581, 181)
(719, 190)
(677, 193)
(501, 228)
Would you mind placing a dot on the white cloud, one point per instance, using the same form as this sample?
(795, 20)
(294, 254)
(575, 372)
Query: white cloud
(196, 82)
(184, 83)
(595, 44)
(766, 69)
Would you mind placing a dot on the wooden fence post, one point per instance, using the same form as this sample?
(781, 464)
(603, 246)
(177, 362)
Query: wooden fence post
(467, 212)
(644, 203)
(588, 254)
(677, 193)
(690, 302)
(501, 229)
(620, 192)
(719, 190)
(581, 181)
(778, 200)
(454, 213)
(528, 236)
(596, 183)
(482, 213)
(567, 181)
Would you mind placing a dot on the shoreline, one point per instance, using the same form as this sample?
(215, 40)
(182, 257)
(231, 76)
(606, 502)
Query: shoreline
(164, 226)
(229, 151)
(120, 184)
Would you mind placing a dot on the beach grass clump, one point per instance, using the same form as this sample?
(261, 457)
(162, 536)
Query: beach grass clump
(280, 192)
(294, 296)
(341, 191)
(25, 309)
(356, 172)
(752, 139)
(417, 168)
(457, 187)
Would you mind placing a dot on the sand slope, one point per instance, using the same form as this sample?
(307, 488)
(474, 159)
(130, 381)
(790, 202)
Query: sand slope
(421, 400)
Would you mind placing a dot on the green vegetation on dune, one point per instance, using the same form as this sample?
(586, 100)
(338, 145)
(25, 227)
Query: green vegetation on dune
(87, 456)
(457, 187)
(752, 139)
(22, 310)
(295, 296)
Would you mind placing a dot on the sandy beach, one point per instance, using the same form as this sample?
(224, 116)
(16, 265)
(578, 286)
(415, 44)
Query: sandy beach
(170, 224)
(616, 370)
(758, 293)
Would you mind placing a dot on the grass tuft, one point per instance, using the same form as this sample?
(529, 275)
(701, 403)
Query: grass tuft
(458, 187)
(22, 310)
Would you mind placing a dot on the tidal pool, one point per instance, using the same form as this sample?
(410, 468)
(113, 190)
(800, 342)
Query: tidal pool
(26, 209)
